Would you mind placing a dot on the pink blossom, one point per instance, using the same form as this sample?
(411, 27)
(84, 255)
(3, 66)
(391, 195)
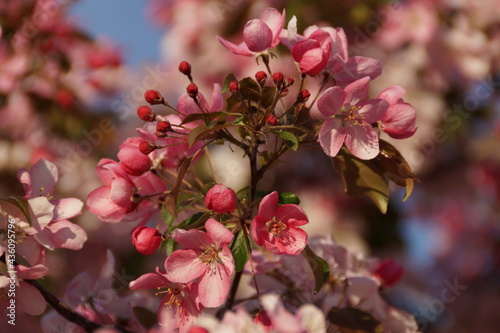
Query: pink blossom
(221, 199)
(259, 35)
(276, 227)
(313, 52)
(350, 115)
(132, 160)
(399, 120)
(186, 105)
(146, 240)
(179, 301)
(206, 256)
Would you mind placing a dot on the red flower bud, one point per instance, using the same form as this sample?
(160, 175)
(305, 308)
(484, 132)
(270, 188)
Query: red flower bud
(303, 96)
(146, 240)
(284, 92)
(389, 272)
(289, 81)
(278, 77)
(153, 97)
(198, 329)
(145, 113)
(146, 147)
(163, 126)
(221, 199)
(192, 90)
(272, 120)
(261, 77)
(185, 68)
(234, 86)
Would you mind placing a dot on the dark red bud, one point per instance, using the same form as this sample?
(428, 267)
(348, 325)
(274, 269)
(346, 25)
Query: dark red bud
(389, 272)
(146, 147)
(272, 120)
(278, 77)
(145, 113)
(153, 97)
(163, 126)
(234, 86)
(192, 90)
(289, 81)
(284, 92)
(304, 96)
(261, 77)
(185, 68)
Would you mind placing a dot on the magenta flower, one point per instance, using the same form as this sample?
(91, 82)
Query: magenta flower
(275, 227)
(350, 115)
(259, 35)
(206, 256)
(179, 300)
(132, 160)
(313, 52)
(221, 199)
(399, 120)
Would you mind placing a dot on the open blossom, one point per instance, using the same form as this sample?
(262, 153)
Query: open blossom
(179, 301)
(350, 115)
(132, 160)
(313, 52)
(221, 199)
(259, 35)
(399, 120)
(276, 227)
(206, 255)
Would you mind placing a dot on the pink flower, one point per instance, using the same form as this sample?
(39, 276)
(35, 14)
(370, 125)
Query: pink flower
(259, 35)
(399, 120)
(389, 272)
(275, 227)
(146, 240)
(313, 52)
(206, 256)
(132, 160)
(179, 300)
(221, 199)
(350, 115)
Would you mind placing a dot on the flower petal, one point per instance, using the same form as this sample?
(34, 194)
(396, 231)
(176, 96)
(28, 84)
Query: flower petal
(214, 286)
(149, 281)
(362, 141)
(292, 241)
(331, 101)
(357, 90)
(292, 215)
(393, 94)
(218, 232)
(332, 136)
(41, 179)
(192, 239)
(66, 235)
(399, 121)
(241, 49)
(30, 300)
(66, 208)
(275, 21)
(184, 266)
(268, 206)
(372, 110)
(257, 35)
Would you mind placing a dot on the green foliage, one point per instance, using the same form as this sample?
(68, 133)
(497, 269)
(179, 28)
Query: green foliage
(288, 198)
(319, 266)
(241, 251)
(289, 139)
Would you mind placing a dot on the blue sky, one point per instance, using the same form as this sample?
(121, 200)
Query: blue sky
(125, 22)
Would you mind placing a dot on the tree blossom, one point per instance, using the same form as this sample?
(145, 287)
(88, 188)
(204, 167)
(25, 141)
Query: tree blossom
(313, 52)
(259, 35)
(350, 115)
(276, 227)
(179, 300)
(399, 120)
(146, 240)
(221, 199)
(206, 256)
(132, 160)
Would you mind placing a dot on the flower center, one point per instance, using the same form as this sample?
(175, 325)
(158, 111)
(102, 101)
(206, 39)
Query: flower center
(209, 256)
(276, 227)
(173, 299)
(351, 117)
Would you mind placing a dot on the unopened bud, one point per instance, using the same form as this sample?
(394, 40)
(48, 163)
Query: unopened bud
(145, 113)
(234, 86)
(278, 77)
(389, 272)
(153, 97)
(303, 96)
(289, 81)
(284, 92)
(272, 120)
(146, 240)
(192, 90)
(146, 147)
(261, 77)
(163, 126)
(185, 68)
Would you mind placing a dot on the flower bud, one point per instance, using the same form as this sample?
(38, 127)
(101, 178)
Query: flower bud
(389, 272)
(145, 113)
(303, 96)
(234, 86)
(289, 81)
(185, 68)
(278, 78)
(261, 77)
(221, 199)
(146, 147)
(272, 120)
(153, 97)
(146, 240)
(163, 126)
(192, 90)
(284, 92)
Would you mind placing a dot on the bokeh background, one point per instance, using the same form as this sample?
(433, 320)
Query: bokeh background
(72, 74)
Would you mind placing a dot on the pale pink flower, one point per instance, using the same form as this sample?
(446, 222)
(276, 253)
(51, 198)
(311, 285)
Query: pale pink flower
(206, 256)
(221, 199)
(350, 115)
(179, 301)
(312, 53)
(259, 35)
(399, 120)
(276, 227)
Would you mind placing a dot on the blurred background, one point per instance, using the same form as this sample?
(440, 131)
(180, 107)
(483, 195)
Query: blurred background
(72, 74)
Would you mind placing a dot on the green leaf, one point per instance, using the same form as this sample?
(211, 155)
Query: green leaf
(167, 217)
(290, 139)
(196, 218)
(249, 89)
(395, 167)
(353, 320)
(227, 80)
(362, 178)
(169, 246)
(203, 132)
(288, 198)
(145, 317)
(319, 267)
(20, 203)
(268, 94)
(240, 250)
